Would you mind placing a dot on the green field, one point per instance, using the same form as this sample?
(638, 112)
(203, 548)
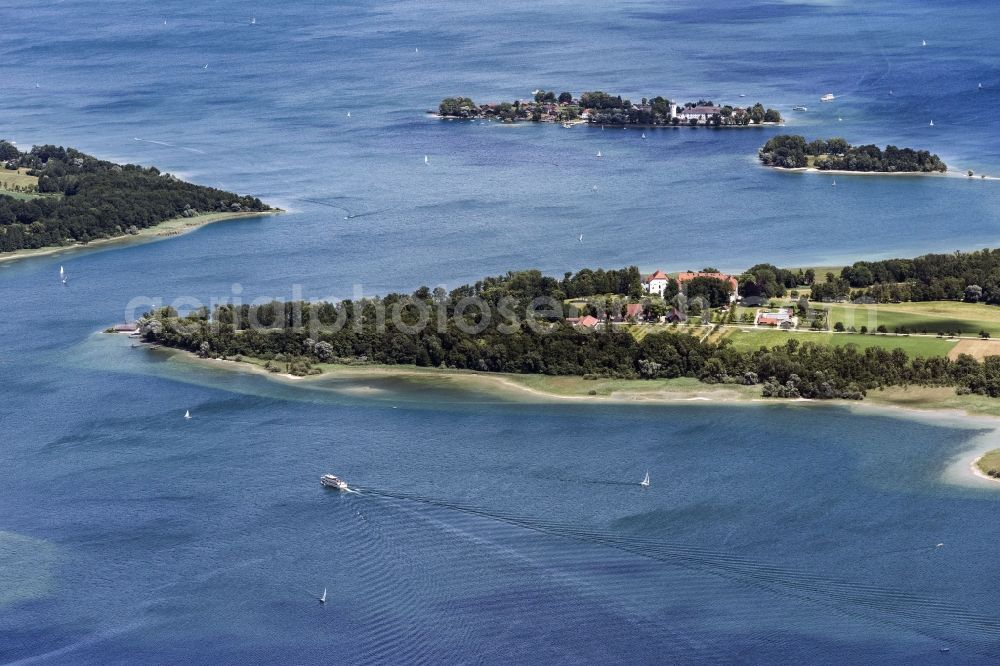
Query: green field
(932, 316)
(912, 345)
(11, 179)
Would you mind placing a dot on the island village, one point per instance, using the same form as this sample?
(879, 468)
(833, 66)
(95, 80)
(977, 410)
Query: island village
(689, 297)
(602, 108)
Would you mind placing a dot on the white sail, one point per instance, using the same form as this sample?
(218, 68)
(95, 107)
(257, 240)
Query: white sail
(645, 480)
(187, 413)
(426, 160)
(322, 599)
(599, 154)
(61, 271)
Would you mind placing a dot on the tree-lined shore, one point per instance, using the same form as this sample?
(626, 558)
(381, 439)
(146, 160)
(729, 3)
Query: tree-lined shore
(789, 151)
(66, 197)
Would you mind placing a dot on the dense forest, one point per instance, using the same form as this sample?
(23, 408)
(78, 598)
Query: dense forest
(605, 109)
(792, 152)
(437, 329)
(969, 276)
(81, 198)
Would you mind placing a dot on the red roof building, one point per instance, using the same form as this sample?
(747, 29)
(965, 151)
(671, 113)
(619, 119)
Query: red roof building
(733, 282)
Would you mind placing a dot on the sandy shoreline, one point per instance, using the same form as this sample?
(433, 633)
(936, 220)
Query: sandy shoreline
(166, 229)
(837, 172)
(974, 466)
(349, 379)
(663, 391)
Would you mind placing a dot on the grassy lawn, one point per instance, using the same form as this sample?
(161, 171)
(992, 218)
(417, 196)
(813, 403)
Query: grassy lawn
(11, 179)
(912, 345)
(932, 316)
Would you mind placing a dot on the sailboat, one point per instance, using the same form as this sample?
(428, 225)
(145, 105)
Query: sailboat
(599, 154)
(835, 182)
(923, 42)
(253, 20)
(348, 114)
(980, 86)
(643, 135)
(322, 599)
(581, 238)
(62, 275)
(932, 123)
(426, 161)
(187, 413)
(645, 480)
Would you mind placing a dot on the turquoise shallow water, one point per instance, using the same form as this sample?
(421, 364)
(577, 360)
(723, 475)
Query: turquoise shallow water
(485, 531)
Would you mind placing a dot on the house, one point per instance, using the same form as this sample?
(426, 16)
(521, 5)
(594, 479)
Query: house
(656, 283)
(634, 311)
(781, 318)
(589, 322)
(700, 113)
(682, 278)
(675, 315)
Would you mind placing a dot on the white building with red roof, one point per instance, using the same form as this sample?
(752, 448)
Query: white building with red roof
(700, 113)
(656, 283)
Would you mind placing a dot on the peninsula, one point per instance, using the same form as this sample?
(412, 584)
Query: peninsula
(788, 151)
(601, 108)
(53, 197)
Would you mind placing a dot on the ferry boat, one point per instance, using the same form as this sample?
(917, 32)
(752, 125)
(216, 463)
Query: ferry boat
(331, 481)
(800, 108)
(829, 97)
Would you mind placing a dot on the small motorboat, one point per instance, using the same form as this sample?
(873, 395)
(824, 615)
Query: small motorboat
(800, 108)
(829, 97)
(331, 481)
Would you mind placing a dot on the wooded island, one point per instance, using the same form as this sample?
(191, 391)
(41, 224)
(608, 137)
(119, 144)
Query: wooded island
(788, 151)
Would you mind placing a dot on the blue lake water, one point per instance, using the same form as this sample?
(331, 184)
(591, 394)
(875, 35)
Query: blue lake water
(485, 531)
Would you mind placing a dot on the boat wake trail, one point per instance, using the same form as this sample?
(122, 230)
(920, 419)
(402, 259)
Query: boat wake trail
(350, 214)
(170, 145)
(930, 617)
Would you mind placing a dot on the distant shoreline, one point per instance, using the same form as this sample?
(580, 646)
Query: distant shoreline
(177, 226)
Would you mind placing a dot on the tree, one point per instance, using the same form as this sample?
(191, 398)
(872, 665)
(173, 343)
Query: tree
(565, 98)
(973, 293)
(456, 106)
(323, 351)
